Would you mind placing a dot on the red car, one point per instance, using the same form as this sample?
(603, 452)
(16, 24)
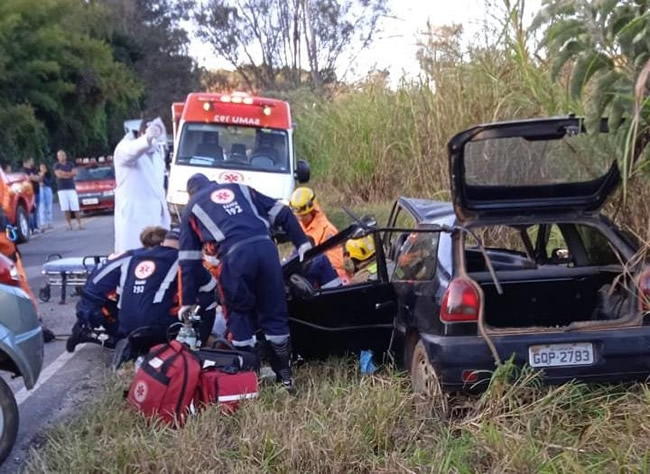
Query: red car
(20, 202)
(95, 185)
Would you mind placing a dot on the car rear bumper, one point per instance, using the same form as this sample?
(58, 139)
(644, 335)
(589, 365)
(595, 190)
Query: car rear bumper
(96, 204)
(619, 355)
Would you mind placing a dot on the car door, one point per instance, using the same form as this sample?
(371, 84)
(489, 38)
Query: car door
(342, 319)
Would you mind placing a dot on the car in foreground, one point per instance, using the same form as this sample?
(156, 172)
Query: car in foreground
(21, 203)
(95, 184)
(521, 265)
(21, 349)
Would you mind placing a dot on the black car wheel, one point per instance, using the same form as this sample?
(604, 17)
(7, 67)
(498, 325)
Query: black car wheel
(22, 224)
(8, 420)
(425, 379)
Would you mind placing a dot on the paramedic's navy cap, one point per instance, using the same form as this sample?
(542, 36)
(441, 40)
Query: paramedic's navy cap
(196, 182)
(172, 235)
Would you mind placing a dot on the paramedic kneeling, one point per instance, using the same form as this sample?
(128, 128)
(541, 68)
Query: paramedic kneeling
(149, 292)
(97, 306)
(238, 218)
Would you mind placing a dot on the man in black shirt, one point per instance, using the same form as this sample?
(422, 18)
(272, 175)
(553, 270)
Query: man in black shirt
(68, 199)
(30, 170)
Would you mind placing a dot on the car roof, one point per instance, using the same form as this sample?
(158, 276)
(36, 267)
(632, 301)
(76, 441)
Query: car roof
(429, 211)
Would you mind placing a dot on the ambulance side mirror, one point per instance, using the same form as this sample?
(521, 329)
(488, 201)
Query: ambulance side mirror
(303, 172)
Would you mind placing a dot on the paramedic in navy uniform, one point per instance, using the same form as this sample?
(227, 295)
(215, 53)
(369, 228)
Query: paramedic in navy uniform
(237, 219)
(149, 293)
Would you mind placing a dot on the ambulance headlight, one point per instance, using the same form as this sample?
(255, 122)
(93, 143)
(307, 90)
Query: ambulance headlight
(108, 193)
(207, 106)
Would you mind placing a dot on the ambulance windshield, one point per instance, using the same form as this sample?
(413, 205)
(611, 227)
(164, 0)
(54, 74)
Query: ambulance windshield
(232, 147)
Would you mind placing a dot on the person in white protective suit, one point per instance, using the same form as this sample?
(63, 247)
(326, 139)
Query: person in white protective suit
(139, 192)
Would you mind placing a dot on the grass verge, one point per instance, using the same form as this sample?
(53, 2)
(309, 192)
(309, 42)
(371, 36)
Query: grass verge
(342, 422)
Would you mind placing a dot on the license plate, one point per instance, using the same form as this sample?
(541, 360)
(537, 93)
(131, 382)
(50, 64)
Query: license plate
(90, 201)
(561, 355)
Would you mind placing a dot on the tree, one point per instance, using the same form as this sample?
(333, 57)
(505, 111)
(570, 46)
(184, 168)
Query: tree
(439, 48)
(148, 36)
(59, 86)
(606, 44)
(272, 42)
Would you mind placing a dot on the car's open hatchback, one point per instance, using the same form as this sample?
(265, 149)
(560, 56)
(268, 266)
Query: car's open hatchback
(532, 166)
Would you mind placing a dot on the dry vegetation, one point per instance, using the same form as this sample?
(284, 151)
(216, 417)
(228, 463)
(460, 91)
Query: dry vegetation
(342, 422)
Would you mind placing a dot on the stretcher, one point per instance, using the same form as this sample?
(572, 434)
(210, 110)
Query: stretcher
(70, 272)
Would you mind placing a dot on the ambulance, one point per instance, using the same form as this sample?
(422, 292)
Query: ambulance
(233, 138)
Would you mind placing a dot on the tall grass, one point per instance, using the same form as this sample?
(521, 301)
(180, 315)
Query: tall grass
(372, 143)
(342, 422)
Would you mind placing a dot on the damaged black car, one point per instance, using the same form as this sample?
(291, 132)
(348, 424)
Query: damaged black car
(522, 264)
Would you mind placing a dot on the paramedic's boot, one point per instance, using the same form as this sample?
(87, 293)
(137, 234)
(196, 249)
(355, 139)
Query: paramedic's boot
(280, 358)
(79, 335)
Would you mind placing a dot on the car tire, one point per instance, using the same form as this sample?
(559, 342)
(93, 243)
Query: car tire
(8, 420)
(425, 379)
(22, 224)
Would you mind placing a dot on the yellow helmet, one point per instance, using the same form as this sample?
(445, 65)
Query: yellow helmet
(302, 201)
(361, 249)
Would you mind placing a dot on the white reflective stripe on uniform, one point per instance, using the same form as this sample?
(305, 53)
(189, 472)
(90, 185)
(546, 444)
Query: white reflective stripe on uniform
(209, 286)
(190, 255)
(120, 288)
(169, 278)
(106, 270)
(277, 339)
(332, 284)
(247, 194)
(245, 343)
(275, 210)
(212, 306)
(234, 398)
(209, 224)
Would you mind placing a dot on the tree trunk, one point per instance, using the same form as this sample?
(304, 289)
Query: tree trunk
(312, 47)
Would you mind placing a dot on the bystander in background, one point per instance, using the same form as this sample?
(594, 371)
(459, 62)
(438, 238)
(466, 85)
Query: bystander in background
(68, 199)
(45, 199)
(35, 178)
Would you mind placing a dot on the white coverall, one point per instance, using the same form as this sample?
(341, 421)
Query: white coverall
(139, 191)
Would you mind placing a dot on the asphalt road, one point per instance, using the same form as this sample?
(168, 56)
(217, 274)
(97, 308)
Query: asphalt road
(67, 380)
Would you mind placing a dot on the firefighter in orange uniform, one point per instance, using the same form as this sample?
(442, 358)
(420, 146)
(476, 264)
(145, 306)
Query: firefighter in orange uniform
(315, 224)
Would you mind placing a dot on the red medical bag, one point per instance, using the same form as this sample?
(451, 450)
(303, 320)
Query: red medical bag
(226, 388)
(166, 383)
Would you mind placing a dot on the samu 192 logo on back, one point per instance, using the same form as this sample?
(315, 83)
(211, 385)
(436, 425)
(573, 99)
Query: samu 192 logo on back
(144, 269)
(222, 196)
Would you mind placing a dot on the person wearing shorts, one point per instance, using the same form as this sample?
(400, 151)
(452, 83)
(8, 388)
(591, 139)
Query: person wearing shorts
(68, 199)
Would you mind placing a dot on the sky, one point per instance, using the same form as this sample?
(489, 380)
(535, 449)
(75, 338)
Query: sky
(395, 48)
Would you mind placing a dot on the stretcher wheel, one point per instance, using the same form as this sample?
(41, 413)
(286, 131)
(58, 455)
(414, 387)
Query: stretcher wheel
(44, 294)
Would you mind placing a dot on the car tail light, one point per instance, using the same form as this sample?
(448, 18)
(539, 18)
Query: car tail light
(461, 302)
(8, 272)
(469, 376)
(644, 291)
